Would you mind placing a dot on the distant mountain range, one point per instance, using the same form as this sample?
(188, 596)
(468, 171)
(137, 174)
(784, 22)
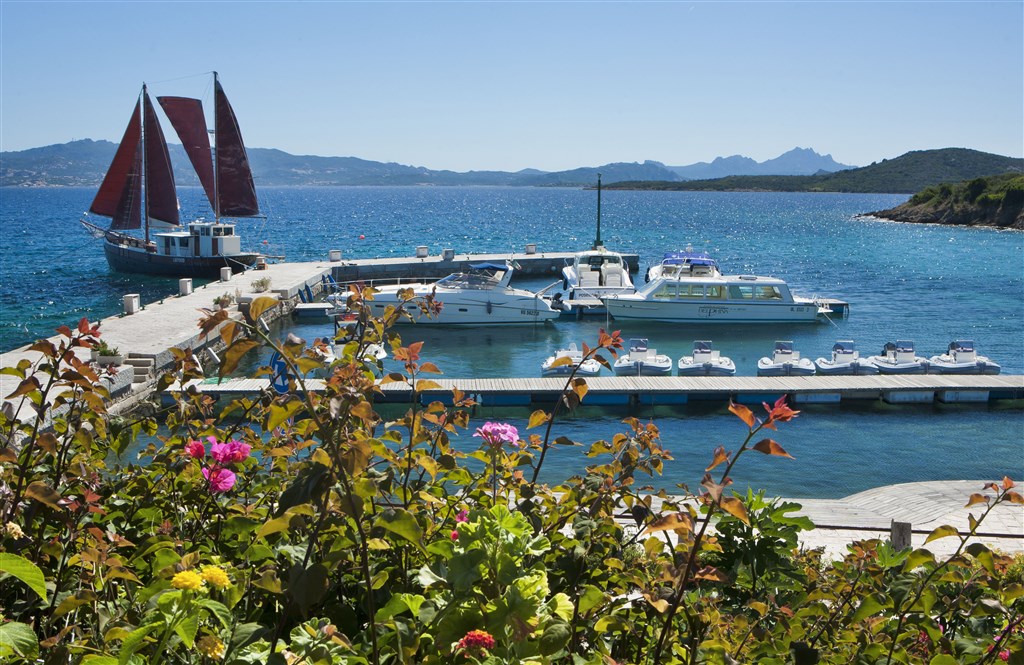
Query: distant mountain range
(905, 174)
(84, 163)
(798, 161)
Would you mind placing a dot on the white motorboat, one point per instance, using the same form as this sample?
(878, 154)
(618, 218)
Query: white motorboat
(695, 291)
(784, 361)
(706, 361)
(588, 367)
(596, 273)
(845, 360)
(479, 296)
(642, 361)
(687, 263)
(899, 358)
(961, 358)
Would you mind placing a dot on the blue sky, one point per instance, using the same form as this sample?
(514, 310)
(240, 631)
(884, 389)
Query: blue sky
(548, 85)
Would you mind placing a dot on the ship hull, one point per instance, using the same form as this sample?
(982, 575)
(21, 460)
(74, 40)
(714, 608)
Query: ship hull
(137, 260)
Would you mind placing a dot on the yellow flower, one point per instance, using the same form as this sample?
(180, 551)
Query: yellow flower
(187, 579)
(211, 647)
(216, 576)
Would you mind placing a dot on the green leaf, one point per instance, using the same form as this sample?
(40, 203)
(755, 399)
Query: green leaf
(24, 570)
(943, 659)
(869, 605)
(279, 414)
(918, 558)
(186, 628)
(943, 531)
(554, 638)
(218, 610)
(402, 523)
(590, 598)
(134, 641)
(18, 639)
(983, 555)
(93, 659)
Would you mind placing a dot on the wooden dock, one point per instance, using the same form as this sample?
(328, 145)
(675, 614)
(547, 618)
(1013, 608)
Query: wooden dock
(636, 391)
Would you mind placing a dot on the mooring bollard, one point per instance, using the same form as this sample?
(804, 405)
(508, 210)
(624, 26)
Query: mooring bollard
(185, 286)
(131, 303)
(225, 274)
(335, 255)
(421, 252)
(899, 535)
(447, 254)
(531, 248)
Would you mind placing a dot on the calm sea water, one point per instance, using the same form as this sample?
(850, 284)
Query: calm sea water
(930, 284)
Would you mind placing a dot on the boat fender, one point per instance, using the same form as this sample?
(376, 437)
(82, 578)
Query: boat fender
(489, 307)
(647, 275)
(565, 283)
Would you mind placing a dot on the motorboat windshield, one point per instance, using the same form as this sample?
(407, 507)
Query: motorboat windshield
(480, 277)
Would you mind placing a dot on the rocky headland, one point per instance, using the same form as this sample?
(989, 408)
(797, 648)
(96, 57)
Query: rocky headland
(996, 201)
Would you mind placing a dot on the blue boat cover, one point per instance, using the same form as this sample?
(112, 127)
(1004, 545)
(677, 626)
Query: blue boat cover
(693, 258)
(703, 345)
(638, 344)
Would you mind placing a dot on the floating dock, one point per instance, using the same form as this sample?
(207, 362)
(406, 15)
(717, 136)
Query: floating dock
(671, 390)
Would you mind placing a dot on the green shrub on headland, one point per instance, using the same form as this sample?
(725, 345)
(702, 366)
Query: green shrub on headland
(303, 528)
(990, 201)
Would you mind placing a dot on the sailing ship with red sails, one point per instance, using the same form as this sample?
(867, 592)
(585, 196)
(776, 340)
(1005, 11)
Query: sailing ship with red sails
(138, 192)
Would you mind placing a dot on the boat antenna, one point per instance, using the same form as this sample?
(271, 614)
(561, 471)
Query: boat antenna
(597, 240)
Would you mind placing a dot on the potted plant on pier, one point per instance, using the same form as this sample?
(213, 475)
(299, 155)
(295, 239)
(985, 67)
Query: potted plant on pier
(106, 355)
(222, 301)
(260, 285)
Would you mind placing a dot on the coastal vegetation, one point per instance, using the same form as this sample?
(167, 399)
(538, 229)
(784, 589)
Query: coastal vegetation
(311, 528)
(993, 201)
(908, 173)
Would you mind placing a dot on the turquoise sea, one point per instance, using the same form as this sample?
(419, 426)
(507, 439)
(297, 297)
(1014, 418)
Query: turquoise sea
(930, 284)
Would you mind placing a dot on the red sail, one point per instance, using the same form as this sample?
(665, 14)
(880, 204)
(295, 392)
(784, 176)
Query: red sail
(161, 195)
(186, 115)
(235, 187)
(120, 195)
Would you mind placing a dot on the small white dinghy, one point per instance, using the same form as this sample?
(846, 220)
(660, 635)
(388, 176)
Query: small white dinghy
(588, 367)
(784, 361)
(642, 361)
(961, 358)
(899, 358)
(845, 361)
(706, 361)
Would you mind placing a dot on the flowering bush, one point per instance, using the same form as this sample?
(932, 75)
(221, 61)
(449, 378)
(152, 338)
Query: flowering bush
(308, 528)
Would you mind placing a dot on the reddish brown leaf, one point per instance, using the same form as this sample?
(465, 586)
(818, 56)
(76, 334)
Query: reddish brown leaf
(976, 498)
(720, 456)
(43, 493)
(734, 507)
(209, 321)
(743, 413)
(1014, 497)
(770, 447)
(681, 521)
(711, 574)
(234, 353)
(25, 387)
(1007, 483)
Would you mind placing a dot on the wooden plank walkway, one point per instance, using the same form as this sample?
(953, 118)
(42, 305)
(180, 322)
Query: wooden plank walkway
(627, 390)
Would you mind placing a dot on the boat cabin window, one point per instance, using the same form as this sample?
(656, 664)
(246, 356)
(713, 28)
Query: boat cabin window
(223, 230)
(183, 242)
(666, 291)
(767, 293)
(741, 292)
(691, 291)
(713, 291)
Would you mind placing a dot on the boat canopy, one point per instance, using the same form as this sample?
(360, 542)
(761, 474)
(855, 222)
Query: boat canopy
(689, 257)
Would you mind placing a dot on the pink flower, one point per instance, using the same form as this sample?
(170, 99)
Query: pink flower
(476, 640)
(195, 450)
(455, 535)
(230, 452)
(221, 480)
(463, 516)
(1004, 655)
(497, 434)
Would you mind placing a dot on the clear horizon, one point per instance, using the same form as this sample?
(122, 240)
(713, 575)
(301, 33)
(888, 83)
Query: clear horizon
(547, 85)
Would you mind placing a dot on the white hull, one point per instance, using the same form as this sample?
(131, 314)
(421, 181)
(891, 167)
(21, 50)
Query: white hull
(856, 367)
(657, 366)
(631, 307)
(716, 367)
(944, 364)
(799, 367)
(888, 366)
(589, 367)
(474, 310)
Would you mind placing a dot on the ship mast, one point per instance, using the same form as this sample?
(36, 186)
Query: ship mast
(142, 163)
(597, 240)
(216, 171)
